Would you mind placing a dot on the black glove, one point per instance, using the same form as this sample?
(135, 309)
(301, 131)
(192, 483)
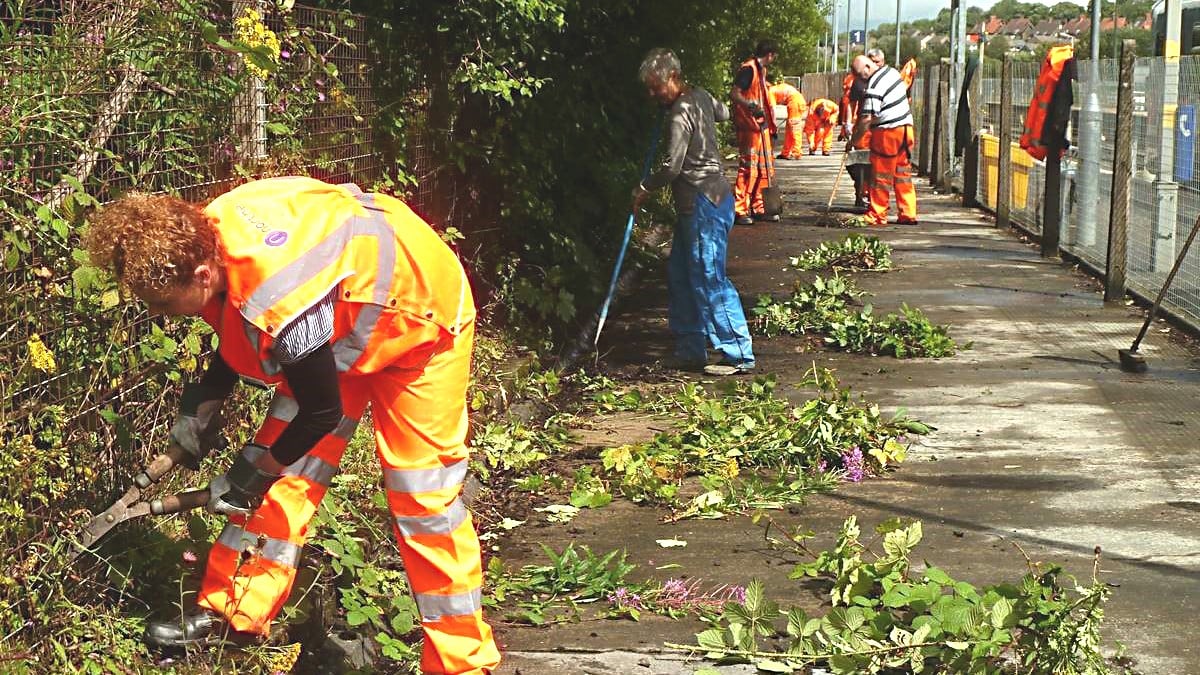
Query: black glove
(197, 428)
(756, 110)
(243, 486)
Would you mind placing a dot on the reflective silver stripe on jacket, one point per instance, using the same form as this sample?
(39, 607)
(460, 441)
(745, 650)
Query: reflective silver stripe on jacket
(441, 523)
(434, 607)
(310, 264)
(276, 550)
(255, 336)
(425, 480)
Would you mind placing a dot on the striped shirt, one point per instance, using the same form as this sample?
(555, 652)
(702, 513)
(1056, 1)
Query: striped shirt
(887, 100)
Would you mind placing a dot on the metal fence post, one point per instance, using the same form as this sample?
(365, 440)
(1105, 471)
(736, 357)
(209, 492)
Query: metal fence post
(945, 142)
(1004, 171)
(1118, 218)
(1052, 203)
(928, 105)
(971, 159)
(250, 105)
(1166, 190)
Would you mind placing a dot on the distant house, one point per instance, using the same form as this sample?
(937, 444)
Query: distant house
(1018, 29)
(933, 40)
(991, 26)
(1078, 25)
(1047, 27)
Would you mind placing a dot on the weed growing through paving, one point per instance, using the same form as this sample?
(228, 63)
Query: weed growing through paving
(855, 251)
(888, 617)
(789, 450)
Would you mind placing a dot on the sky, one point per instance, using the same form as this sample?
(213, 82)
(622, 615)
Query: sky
(884, 11)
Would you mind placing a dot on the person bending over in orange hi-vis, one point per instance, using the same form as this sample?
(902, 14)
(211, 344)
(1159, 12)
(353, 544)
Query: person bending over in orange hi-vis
(822, 118)
(339, 299)
(754, 123)
(885, 113)
(786, 95)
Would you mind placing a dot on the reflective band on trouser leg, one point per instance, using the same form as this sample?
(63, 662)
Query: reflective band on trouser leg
(748, 170)
(881, 187)
(252, 564)
(420, 433)
(906, 194)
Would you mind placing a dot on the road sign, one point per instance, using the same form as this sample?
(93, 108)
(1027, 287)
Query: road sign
(1185, 142)
(856, 37)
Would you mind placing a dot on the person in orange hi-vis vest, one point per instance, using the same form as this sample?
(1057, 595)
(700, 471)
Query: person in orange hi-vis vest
(822, 117)
(885, 113)
(754, 124)
(909, 75)
(339, 299)
(786, 95)
(858, 164)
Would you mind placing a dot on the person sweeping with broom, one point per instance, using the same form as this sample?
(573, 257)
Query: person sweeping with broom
(704, 307)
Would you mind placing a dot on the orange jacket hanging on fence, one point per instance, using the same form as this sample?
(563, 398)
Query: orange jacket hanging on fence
(785, 94)
(756, 161)
(403, 327)
(1032, 137)
(822, 117)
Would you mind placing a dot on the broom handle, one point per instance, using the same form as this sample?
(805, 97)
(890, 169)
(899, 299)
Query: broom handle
(1166, 284)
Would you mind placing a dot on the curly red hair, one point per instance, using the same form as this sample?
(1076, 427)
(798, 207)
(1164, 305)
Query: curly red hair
(151, 243)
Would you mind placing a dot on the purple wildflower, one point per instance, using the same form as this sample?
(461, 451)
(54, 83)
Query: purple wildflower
(285, 54)
(822, 465)
(738, 594)
(622, 598)
(320, 96)
(853, 464)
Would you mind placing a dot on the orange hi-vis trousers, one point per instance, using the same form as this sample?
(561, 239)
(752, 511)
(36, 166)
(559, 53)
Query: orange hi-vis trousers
(756, 171)
(893, 173)
(420, 417)
(820, 132)
(792, 139)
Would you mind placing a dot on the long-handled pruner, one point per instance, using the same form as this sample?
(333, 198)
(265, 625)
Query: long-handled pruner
(132, 505)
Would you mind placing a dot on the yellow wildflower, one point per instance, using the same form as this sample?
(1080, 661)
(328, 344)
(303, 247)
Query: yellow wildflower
(285, 660)
(40, 356)
(731, 469)
(250, 30)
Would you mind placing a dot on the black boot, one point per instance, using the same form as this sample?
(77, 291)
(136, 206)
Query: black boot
(193, 628)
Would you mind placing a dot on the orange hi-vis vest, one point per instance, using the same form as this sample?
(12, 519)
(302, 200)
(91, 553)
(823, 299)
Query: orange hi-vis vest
(742, 117)
(288, 243)
(909, 73)
(785, 94)
(1039, 106)
(823, 109)
(848, 106)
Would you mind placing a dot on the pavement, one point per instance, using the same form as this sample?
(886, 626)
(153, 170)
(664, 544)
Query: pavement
(1043, 445)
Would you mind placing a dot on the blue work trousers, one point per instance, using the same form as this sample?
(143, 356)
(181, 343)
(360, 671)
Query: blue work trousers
(704, 306)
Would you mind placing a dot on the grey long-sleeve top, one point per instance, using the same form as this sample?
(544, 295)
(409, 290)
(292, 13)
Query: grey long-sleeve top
(693, 159)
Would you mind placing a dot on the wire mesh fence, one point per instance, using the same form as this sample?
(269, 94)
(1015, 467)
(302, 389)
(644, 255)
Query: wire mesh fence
(1165, 185)
(102, 97)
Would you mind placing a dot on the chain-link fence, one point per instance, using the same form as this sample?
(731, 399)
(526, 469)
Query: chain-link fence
(102, 97)
(1162, 211)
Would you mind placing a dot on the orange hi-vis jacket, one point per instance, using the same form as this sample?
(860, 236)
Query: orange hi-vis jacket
(1039, 105)
(742, 117)
(289, 242)
(824, 111)
(785, 94)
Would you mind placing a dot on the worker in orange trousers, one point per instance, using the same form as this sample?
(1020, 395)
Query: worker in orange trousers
(885, 113)
(754, 123)
(339, 299)
(786, 95)
(822, 117)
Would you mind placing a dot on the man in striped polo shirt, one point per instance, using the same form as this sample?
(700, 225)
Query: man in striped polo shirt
(885, 113)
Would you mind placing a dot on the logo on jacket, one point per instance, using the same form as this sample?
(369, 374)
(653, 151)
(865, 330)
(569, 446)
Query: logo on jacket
(276, 238)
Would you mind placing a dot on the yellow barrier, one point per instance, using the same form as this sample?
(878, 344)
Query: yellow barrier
(1021, 164)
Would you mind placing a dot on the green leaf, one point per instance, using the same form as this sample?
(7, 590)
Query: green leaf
(769, 666)
(356, 618)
